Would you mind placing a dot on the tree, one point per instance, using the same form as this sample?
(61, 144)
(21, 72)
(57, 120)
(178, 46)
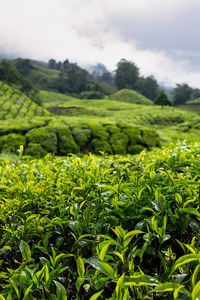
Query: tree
(66, 64)
(52, 63)
(195, 94)
(162, 100)
(8, 72)
(126, 74)
(59, 65)
(148, 87)
(101, 73)
(23, 66)
(182, 93)
(10, 75)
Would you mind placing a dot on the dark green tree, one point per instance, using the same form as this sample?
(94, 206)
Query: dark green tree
(126, 75)
(182, 93)
(162, 100)
(59, 65)
(10, 75)
(66, 64)
(52, 63)
(24, 66)
(148, 87)
(8, 72)
(195, 94)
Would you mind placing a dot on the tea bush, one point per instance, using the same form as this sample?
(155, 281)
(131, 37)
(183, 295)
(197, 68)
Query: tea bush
(45, 136)
(66, 143)
(109, 227)
(11, 142)
(35, 150)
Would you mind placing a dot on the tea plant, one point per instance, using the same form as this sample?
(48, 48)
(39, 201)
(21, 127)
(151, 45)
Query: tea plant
(101, 227)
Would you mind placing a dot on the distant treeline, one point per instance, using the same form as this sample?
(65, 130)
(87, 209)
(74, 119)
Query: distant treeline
(10, 74)
(69, 78)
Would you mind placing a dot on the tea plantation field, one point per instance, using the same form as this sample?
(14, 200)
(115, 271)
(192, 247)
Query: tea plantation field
(101, 227)
(15, 104)
(66, 125)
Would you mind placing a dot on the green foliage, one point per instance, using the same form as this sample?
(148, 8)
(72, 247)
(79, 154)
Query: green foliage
(92, 95)
(162, 100)
(130, 96)
(134, 135)
(11, 142)
(150, 138)
(35, 150)
(182, 93)
(10, 75)
(135, 149)
(24, 66)
(81, 135)
(45, 136)
(101, 227)
(15, 104)
(148, 87)
(8, 72)
(66, 143)
(100, 145)
(126, 75)
(119, 142)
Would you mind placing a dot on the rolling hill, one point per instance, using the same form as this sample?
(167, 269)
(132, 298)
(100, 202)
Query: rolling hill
(131, 96)
(14, 104)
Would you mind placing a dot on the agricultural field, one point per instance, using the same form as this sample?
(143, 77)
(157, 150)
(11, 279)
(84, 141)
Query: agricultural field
(169, 122)
(65, 124)
(92, 206)
(109, 227)
(14, 104)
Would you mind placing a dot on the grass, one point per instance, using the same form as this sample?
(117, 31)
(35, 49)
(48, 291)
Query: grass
(101, 227)
(131, 96)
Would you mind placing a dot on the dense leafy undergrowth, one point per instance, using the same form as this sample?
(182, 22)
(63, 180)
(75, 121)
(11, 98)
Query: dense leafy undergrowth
(101, 227)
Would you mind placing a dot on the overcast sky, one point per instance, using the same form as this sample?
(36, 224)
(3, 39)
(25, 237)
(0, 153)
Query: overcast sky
(160, 36)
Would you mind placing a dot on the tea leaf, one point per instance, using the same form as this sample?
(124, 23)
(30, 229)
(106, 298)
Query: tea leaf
(25, 251)
(96, 295)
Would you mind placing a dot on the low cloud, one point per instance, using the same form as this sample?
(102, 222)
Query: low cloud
(161, 37)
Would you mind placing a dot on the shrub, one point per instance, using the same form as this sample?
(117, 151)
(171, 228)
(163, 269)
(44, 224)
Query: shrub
(119, 142)
(112, 128)
(101, 145)
(81, 135)
(35, 150)
(11, 142)
(133, 134)
(162, 100)
(135, 149)
(45, 136)
(150, 138)
(66, 143)
(98, 131)
(92, 95)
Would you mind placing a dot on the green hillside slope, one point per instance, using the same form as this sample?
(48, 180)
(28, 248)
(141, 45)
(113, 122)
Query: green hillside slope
(131, 96)
(15, 104)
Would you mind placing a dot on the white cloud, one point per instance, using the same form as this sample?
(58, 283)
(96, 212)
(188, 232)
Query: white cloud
(159, 36)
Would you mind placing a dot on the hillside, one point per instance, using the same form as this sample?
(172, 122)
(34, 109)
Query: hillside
(131, 96)
(14, 104)
(74, 125)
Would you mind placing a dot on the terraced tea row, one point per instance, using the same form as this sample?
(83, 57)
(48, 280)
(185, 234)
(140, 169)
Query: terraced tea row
(109, 110)
(15, 104)
(62, 139)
